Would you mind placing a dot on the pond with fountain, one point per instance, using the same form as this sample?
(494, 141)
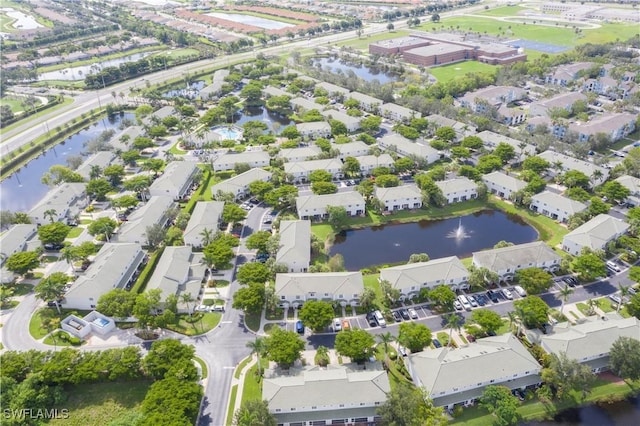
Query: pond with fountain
(394, 243)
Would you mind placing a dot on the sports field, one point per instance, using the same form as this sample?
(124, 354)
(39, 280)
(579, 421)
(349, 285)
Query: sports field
(449, 72)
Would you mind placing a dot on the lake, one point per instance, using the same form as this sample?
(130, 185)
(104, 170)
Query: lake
(366, 73)
(190, 91)
(263, 114)
(378, 245)
(80, 72)
(23, 189)
(619, 414)
(256, 21)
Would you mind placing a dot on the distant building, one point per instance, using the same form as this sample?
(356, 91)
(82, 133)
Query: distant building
(176, 181)
(367, 103)
(597, 174)
(100, 160)
(300, 170)
(506, 261)
(612, 125)
(215, 88)
(253, 158)
(563, 101)
(479, 101)
(351, 123)
(154, 212)
(300, 154)
(18, 238)
(336, 394)
(595, 234)
(407, 148)
(314, 129)
(502, 185)
(62, 203)
(341, 287)
(413, 277)
(633, 185)
(333, 90)
(491, 140)
(239, 185)
(555, 206)
(351, 149)
(370, 162)
(565, 74)
(459, 376)
(398, 113)
(295, 245)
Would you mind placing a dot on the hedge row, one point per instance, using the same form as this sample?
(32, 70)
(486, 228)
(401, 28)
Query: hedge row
(145, 276)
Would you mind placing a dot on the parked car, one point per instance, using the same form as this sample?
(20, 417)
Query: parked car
(470, 338)
(396, 316)
(481, 299)
(615, 298)
(300, 327)
(457, 305)
(507, 294)
(492, 296)
(53, 246)
(346, 325)
(473, 301)
(371, 319)
(436, 343)
(632, 290)
(402, 350)
(413, 314)
(520, 291)
(405, 314)
(337, 325)
(203, 308)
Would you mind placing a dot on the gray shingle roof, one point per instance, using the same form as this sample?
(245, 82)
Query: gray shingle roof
(176, 175)
(240, 181)
(559, 201)
(506, 181)
(205, 215)
(597, 232)
(295, 243)
(345, 283)
(152, 213)
(415, 274)
(310, 202)
(456, 185)
(503, 258)
(398, 192)
(176, 268)
(311, 165)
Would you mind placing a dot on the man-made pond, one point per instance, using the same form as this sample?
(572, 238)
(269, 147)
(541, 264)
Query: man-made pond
(276, 122)
(366, 73)
(22, 21)
(394, 243)
(189, 92)
(256, 21)
(617, 414)
(23, 189)
(80, 72)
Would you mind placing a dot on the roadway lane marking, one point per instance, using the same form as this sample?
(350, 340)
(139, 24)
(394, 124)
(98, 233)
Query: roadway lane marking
(228, 368)
(226, 322)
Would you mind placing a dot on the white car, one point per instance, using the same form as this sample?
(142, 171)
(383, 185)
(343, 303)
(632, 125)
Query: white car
(457, 305)
(473, 301)
(507, 293)
(337, 325)
(520, 291)
(203, 308)
(413, 314)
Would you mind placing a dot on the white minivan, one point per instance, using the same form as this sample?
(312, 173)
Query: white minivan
(380, 319)
(464, 302)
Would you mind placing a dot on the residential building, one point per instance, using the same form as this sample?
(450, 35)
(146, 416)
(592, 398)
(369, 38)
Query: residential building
(413, 277)
(239, 185)
(613, 125)
(481, 100)
(18, 238)
(351, 123)
(293, 289)
(300, 154)
(229, 160)
(300, 169)
(367, 103)
(270, 91)
(122, 141)
(154, 212)
(458, 189)
(176, 180)
(506, 261)
(595, 234)
(398, 113)
(491, 140)
(511, 116)
(295, 245)
(462, 129)
(563, 101)
(632, 183)
(589, 342)
(314, 207)
(336, 394)
(333, 90)
(179, 271)
(403, 197)
(502, 185)
(115, 266)
(157, 116)
(100, 159)
(314, 129)
(206, 215)
(555, 206)
(215, 88)
(303, 105)
(459, 376)
(61, 204)
(351, 149)
(565, 74)
(406, 148)
(370, 162)
(597, 174)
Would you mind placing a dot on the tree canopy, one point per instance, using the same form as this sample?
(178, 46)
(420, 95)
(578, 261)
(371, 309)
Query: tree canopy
(414, 336)
(624, 358)
(356, 344)
(532, 310)
(316, 314)
(534, 280)
(283, 347)
(408, 406)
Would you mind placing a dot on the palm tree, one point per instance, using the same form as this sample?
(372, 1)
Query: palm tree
(564, 295)
(207, 236)
(624, 291)
(187, 298)
(513, 320)
(595, 176)
(592, 306)
(385, 339)
(51, 214)
(68, 254)
(258, 347)
(52, 288)
(453, 321)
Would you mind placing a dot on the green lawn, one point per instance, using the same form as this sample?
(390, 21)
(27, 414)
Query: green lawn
(252, 321)
(505, 328)
(37, 115)
(203, 367)
(449, 72)
(102, 403)
(252, 388)
(36, 329)
(321, 231)
(209, 321)
(176, 151)
(14, 103)
(232, 403)
(503, 11)
(75, 232)
(371, 281)
(364, 41)
(22, 289)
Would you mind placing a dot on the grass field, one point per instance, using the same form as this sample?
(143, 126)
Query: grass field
(75, 232)
(37, 115)
(14, 103)
(6, 24)
(102, 403)
(209, 321)
(503, 11)
(449, 72)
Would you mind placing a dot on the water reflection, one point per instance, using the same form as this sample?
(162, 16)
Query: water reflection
(363, 72)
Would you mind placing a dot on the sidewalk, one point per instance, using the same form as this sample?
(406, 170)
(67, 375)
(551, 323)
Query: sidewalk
(239, 382)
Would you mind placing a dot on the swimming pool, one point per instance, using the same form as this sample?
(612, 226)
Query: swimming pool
(101, 322)
(228, 132)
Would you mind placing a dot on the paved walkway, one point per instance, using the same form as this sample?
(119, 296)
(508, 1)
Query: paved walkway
(240, 383)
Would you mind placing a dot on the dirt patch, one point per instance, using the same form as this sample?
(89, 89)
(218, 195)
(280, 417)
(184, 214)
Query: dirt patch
(611, 378)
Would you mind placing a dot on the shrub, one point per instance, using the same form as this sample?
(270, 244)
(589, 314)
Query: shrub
(208, 302)
(75, 341)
